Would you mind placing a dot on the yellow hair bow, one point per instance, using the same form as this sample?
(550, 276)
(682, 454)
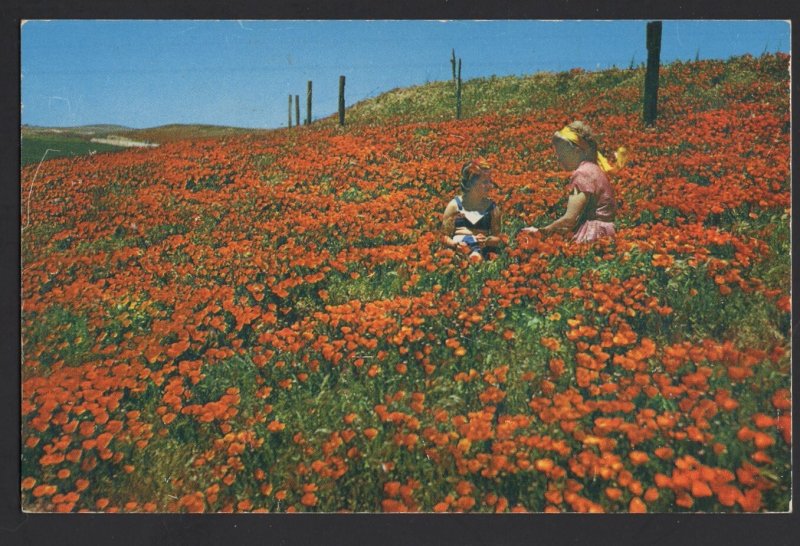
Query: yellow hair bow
(571, 136)
(621, 155)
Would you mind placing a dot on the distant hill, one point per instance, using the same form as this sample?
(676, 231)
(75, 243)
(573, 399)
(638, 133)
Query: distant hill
(82, 130)
(163, 133)
(52, 142)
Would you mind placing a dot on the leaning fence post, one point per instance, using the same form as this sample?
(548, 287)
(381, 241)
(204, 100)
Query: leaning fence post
(458, 92)
(308, 104)
(453, 62)
(341, 100)
(290, 111)
(651, 76)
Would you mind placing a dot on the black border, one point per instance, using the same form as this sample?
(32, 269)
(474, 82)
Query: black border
(324, 529)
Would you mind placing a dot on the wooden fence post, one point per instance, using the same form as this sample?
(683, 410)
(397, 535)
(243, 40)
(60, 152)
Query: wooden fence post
(308, 104)
(290, 111)
(651, 76)
(341, 100)
(297, 110)
(458, 91)
(453, 62)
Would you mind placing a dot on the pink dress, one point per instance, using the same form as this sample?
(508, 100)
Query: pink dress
(597, 218)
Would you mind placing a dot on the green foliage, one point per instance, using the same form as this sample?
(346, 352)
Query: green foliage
(63, 332)
(33, 147)
(239, 372)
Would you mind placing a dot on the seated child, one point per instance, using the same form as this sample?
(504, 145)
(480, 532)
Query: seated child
(472, 218)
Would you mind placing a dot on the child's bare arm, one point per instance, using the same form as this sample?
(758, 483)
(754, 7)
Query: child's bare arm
(449, 222)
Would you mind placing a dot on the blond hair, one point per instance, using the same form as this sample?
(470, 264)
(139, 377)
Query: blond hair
(587, 136)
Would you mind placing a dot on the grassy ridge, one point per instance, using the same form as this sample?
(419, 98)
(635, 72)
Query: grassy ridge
(620, 90)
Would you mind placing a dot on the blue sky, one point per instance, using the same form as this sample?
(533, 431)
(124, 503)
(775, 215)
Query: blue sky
(240, 73)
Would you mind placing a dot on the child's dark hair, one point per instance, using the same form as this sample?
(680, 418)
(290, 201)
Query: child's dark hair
(472, 170)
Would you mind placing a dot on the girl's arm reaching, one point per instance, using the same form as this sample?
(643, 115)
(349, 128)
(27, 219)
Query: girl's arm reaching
(575, 205)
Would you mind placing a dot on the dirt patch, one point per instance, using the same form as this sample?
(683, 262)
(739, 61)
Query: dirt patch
(124, 142)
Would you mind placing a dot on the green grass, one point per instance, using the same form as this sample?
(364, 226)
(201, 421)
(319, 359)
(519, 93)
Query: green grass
(33, 147)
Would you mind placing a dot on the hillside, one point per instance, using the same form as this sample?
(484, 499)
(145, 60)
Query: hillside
(172, 132)
(271, 322)
(709, 83)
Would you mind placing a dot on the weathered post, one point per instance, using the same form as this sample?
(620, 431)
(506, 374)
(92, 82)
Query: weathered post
(297, 110)
(341, 100)
(290, 111)
(453, 62)
(458, 91)
(308, 104)
(651, 76)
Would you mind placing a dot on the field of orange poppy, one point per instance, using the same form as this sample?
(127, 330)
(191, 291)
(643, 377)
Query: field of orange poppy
(269, 322)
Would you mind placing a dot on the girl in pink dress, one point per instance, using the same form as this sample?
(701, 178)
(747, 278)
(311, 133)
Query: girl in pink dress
(591, 207)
